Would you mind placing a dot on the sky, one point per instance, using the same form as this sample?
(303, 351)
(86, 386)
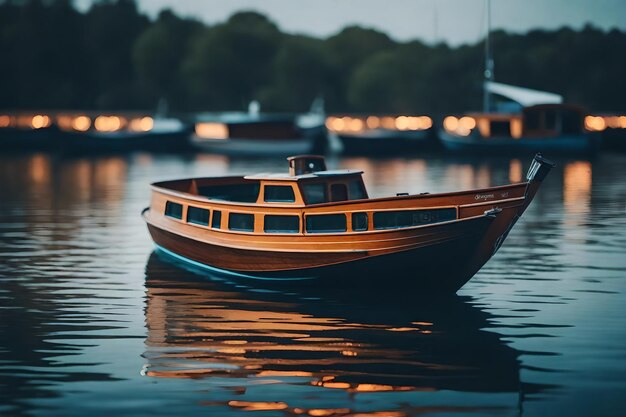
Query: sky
(451, 21)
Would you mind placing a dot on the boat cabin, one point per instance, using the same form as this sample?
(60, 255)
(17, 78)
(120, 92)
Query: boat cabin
(302, 201)
(545, 120)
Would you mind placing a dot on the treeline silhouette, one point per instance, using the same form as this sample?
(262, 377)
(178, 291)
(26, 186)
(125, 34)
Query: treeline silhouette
(113, 57)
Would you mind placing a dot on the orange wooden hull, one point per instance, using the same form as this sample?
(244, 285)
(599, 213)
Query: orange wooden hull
(442, 255)
(423, 263)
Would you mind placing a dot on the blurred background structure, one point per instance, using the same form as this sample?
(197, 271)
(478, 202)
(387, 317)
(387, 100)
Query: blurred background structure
(110, 55)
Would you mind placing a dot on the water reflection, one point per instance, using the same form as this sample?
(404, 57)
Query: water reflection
(539, 331)
(326, 340)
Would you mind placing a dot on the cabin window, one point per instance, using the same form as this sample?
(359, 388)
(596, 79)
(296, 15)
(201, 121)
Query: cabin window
(501, 128)
(357, 190)
(532, 121)
(326, 223)
(550, 120)
(359, 222)
(216, 222)
(338, 192)
(281, 224)
(197, 215)
(279, 194)
(409, 218)
(242, 193)
(315, 193)
(174, 210)
(241, 222)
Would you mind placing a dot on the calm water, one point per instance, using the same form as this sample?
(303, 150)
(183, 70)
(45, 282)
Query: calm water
(93, 323)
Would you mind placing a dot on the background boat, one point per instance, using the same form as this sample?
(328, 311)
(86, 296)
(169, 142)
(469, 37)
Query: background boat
(260, 134)
(27, 131)
(383, 135)
(551, 128)
(80, 133)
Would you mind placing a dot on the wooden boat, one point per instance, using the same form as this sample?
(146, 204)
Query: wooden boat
(320, 226)
(383, 135)
(539, 128)
(253, 134)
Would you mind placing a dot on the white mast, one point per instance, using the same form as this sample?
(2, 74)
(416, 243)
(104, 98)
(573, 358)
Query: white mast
(488, 61)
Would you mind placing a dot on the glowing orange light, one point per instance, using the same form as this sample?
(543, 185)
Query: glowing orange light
(595, 123)
(336, 385)
(258, 406)
(388, 122)
(143, 124)
(212, 130)
(284, 373)
(372, 122)
(467, 122)
(373, 388)
(515, 171)
(5, 121)
(451, 123)
(108, 123)
(402, 123)
(426, 122)
(622, 122)
(81, 123)
(516, 128)
(612, 122)
(356, 125)
(40, 121)
(318, 412)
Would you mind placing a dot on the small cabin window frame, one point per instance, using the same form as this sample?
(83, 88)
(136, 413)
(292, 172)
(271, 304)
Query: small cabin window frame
(306, 187)
(411, 213)
(338, 192)
(272, 230)
(290, 199)
(216, 219)
(196, 221)
(354, 218)
(235, 215)
(310, 218)
(169, 210)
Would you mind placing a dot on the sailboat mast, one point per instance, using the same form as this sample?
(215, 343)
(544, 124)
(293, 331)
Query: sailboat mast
(488, 74)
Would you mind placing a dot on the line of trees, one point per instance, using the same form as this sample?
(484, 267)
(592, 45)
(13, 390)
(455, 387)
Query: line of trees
(114, 57)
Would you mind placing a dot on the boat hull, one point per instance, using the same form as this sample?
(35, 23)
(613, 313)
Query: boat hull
(583, 143)
(312, 140)
(387, 143)
(125, 141)
(423, 262)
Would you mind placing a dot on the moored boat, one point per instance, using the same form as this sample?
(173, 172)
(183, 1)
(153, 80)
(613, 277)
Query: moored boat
(539, 128)
(316, 225)
(27, 130)
(254, 133)
(383, 135)
(121, 133)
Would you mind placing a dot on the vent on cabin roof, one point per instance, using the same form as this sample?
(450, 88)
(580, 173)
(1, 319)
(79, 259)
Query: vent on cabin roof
(306, 164)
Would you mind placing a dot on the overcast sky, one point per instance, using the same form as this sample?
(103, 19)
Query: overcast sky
(453, 21)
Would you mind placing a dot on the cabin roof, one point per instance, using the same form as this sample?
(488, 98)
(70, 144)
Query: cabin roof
(317, 174)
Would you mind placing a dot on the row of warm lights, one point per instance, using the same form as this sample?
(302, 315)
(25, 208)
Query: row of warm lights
(78, 123)
(461, 126)
(356, 124)
(600, 123)
(211, 130)
(38, 121)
